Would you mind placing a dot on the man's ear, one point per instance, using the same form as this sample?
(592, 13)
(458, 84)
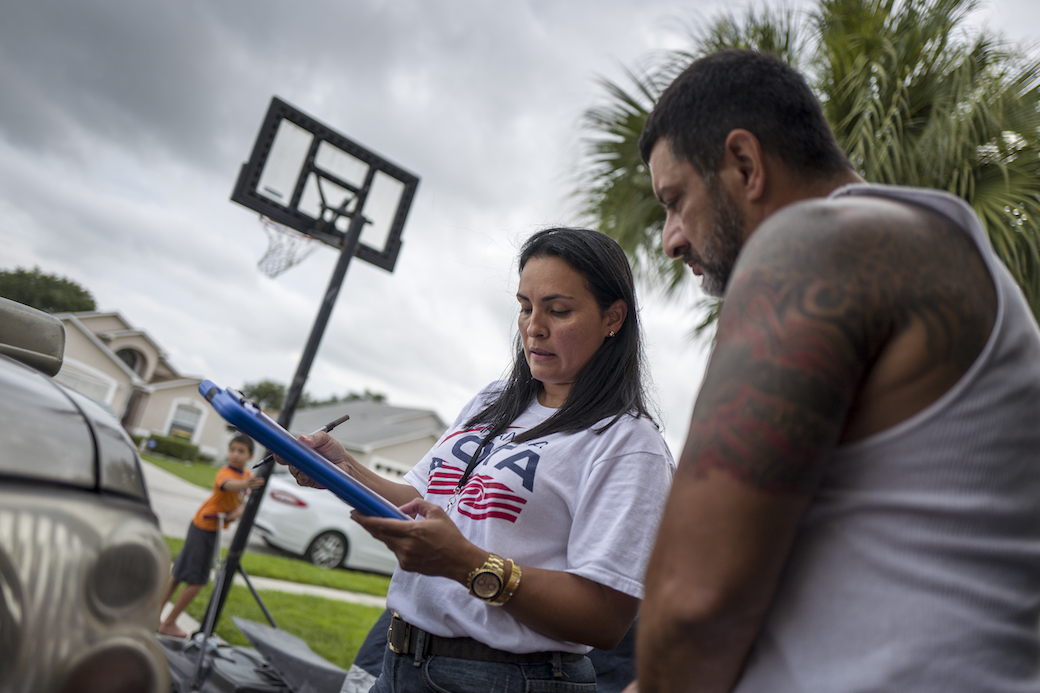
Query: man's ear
(616, 314)
(743, 165)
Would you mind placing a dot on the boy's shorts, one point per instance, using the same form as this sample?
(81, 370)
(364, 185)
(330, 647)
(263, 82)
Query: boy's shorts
(196, 557)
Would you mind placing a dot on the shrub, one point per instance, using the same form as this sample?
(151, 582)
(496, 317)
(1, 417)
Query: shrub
(173, 447)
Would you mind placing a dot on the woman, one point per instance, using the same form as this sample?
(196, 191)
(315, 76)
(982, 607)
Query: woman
(537, 509)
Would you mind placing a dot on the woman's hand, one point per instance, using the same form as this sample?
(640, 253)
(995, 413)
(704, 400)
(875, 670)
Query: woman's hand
(556, 603)
(329, 448)
(430, 545)
(333, 451)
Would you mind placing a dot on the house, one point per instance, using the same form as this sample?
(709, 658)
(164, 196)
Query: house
(387, 439)
(123, 368)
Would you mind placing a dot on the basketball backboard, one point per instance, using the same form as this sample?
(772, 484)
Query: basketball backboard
(310, 178)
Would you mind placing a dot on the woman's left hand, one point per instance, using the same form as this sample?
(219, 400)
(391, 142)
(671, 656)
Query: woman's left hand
(431, 544)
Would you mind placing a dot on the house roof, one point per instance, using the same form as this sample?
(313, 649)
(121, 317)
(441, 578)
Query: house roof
(372, 425)
(164, 370)
(87, 317)
(71, 319)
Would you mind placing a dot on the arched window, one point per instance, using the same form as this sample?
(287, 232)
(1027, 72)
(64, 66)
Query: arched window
(132, 358)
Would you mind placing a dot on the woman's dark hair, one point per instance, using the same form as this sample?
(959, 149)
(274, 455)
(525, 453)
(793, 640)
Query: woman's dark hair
(611, 383)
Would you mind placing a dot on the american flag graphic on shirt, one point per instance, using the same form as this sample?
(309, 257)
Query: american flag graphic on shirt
(482, 498)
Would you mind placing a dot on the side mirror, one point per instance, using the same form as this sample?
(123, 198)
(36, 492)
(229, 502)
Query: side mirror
(31, 336)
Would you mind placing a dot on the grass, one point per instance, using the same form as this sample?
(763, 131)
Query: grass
(198, 473)
(278, 567)
(332, 628)
(293, 570)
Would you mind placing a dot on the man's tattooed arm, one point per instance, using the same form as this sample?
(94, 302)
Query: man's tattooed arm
(827, 300)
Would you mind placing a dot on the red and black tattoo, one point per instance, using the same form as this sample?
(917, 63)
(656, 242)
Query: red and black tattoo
(818, 294)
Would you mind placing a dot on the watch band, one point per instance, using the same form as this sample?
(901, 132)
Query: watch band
(511, 586)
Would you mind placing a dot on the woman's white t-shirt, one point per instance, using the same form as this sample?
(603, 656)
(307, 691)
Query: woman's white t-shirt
(584, 503)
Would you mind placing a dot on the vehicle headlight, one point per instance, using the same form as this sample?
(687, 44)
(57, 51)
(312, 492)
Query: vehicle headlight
(81, 578)
(119, 665)
(129, 571)
(11, 609)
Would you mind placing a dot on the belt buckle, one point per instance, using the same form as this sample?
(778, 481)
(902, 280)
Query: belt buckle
(390, 635)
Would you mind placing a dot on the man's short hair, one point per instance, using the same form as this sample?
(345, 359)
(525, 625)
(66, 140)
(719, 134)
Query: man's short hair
(743, 89)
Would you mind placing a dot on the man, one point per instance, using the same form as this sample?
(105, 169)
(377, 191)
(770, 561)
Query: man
(857, 507)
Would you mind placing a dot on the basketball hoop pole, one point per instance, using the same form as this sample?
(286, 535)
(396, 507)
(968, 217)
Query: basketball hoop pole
(303, 152)
(292, 398)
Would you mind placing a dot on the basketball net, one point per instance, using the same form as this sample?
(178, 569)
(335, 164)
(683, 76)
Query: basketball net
(285, 248)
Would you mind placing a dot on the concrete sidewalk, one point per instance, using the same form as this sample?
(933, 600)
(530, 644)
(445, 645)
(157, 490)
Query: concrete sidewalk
(270, 584)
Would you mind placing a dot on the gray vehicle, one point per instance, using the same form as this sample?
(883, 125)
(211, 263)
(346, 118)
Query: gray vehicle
(82, 561)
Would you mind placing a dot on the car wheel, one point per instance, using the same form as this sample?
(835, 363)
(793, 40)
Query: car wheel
(327, 550)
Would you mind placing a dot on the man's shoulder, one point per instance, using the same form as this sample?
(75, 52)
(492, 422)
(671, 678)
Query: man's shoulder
(899, 294)
(849, 219)
(861, 241)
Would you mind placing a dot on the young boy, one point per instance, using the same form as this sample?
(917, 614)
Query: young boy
(193, 562)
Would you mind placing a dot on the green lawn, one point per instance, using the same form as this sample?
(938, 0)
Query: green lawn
(279, 567)
(293, 570)
(198, 473)
(333, 629)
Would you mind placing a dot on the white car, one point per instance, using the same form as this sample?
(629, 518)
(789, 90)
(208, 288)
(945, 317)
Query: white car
(316, 524)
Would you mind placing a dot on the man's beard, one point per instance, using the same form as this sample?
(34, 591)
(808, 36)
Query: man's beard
(722, 245)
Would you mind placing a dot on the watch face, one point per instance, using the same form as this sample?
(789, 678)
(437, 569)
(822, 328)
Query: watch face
(487, 585)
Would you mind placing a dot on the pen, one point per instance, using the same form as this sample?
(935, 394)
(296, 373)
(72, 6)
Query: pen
(326, 428)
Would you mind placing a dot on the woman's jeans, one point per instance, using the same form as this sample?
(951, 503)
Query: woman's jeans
(412, 674)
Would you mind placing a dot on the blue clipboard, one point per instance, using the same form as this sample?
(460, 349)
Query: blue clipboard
(248, 418)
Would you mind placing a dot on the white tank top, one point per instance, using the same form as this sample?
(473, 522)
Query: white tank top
(917, 566)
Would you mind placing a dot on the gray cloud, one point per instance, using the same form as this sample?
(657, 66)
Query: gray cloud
(123, 125)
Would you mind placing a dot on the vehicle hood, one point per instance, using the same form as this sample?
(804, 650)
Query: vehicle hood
(51, 434)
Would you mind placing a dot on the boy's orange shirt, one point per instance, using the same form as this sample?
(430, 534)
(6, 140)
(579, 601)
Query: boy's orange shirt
(221, 501)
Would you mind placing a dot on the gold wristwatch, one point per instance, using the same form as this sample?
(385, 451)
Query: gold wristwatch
(489, 583)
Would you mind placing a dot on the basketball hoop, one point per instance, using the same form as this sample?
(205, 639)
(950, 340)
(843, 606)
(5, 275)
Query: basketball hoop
(285, 247)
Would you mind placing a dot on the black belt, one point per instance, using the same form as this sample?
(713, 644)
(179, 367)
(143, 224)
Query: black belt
(403, 637)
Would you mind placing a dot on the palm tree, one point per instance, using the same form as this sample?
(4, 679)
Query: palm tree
(911, 98)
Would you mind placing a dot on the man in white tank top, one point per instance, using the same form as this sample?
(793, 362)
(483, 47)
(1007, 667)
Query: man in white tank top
(857, 507)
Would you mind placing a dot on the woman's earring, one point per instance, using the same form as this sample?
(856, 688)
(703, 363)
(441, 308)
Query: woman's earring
(611, 333)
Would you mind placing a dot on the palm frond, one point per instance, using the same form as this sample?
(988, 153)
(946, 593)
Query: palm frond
(912, 96)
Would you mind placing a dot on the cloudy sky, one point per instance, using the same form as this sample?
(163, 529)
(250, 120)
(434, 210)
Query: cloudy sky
(123, 125)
